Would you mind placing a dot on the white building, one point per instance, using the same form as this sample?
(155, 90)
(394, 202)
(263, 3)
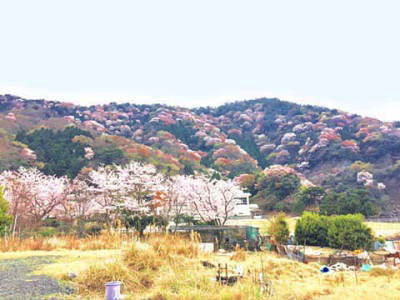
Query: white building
(242, 205)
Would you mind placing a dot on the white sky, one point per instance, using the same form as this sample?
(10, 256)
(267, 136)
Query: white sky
(342, 54)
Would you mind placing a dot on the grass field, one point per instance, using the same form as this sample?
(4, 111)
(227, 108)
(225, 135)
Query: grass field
(168, 267)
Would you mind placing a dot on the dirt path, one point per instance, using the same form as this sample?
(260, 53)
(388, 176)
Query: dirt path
(17, 282)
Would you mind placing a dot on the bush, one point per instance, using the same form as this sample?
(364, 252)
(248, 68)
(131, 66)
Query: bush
(342, 232)
(349, 232)
(5, 219)
(312, 229)
(278, 229)
(46, 231)
(93, 228)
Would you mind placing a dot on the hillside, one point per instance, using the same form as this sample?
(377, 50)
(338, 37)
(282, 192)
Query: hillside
(321, 147)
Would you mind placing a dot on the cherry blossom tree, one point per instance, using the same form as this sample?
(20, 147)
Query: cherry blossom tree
(211, 200)
(80, 202)
(129, 187)
(175, 204)
(33, 196)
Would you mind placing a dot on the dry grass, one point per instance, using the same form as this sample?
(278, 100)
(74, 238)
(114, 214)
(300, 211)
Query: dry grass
(106, 240)
(382, 272)
(169, 267)
(171, 244)
(239, 255)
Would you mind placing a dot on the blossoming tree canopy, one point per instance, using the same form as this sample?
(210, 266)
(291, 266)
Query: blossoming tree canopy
(137, 188)
(129, 186)
(211, 200)
(33, 196)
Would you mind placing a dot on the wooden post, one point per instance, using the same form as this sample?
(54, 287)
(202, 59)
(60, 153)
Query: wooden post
(226, 273)
(355, 270)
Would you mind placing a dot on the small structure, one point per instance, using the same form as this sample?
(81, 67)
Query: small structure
(225, 237)
(242, 205)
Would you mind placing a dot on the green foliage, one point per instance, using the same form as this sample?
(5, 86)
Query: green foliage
(185, 219)
(278, 228)
(92, 228)
(334, 151)
(207, 160)
(280, 186)
(109, 155)
(312, 229)
(239, 167)
(184, 131)
(141, 222)
(248, 184)
(351, 201)
(46, 231)
(282, 207)
(349, 232)
(5, 218)
(56, 149)
(340, 232)
(307, 196)
(362, 166)
(247, 143)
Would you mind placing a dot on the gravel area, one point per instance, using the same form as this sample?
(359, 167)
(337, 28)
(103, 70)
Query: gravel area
(18, 283)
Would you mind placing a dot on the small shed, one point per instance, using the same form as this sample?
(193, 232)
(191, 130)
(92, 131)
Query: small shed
(225, 237)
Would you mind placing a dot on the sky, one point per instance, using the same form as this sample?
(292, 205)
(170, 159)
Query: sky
(340, 54)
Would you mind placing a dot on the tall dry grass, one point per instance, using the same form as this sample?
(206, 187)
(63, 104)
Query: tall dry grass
(166, 267)
(106, 240)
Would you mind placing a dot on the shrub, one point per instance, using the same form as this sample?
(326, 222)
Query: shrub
(278, 228)
(5, 219)
(47, 231)
(312, 229)
(93, 279)
(93, 228)
(343, 232)
(349, 232)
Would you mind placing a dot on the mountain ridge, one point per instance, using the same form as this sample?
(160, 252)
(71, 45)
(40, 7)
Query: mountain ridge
(236, 138)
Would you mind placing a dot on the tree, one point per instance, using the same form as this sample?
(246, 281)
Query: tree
(307, 196)
(210, 200)
(129, 187)
(56, 149)
(278, 229)
(5, 218)
(80, 204)
(349, 232)
(349, 202)
(312, 229)
(176, 206)
(33, 196)
(280, 186)
(141, 222)
(273, 188)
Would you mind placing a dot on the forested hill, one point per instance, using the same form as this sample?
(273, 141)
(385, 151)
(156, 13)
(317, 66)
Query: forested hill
(333, 149)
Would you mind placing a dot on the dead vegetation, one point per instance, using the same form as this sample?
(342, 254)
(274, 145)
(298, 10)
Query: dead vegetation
(106, 240)
(172, 267)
